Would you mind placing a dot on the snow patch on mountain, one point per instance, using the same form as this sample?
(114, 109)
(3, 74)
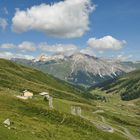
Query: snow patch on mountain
(79, 68)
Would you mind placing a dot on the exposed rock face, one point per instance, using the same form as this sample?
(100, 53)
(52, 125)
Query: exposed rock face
(96, 66)
(44, 58)
(76, 110)
(79, 69)
(7, 122)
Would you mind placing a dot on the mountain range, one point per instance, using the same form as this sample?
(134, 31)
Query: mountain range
(79, 69)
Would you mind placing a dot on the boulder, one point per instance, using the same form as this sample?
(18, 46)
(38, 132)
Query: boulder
(7, 122)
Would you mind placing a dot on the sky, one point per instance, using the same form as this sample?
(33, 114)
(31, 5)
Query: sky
(103, 28)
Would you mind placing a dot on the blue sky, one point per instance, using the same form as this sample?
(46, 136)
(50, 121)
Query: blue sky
(111, 20)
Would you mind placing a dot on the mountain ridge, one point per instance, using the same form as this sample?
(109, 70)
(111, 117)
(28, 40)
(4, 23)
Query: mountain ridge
(78, 69)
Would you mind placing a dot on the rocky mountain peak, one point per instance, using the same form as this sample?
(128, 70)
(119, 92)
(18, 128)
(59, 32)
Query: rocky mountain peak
(79, 68)
(80, 56)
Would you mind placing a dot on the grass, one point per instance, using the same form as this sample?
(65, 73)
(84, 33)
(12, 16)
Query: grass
(120, 113)
(18, 77)
(33, 120)
(127, 86)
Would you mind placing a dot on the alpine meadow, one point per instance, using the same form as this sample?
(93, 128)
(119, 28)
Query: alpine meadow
(69, 70)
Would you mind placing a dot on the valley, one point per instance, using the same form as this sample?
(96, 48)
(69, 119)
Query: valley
(32, 119)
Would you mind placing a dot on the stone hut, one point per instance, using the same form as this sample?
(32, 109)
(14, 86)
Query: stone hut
(27, 94)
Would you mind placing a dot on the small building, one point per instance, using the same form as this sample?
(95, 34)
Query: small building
(45, 94)
(27, 94)
(48, 98)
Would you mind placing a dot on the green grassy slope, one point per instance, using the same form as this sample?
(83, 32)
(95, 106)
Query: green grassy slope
(33, 120)
(119, 113)
(128, 86)
(18, 77)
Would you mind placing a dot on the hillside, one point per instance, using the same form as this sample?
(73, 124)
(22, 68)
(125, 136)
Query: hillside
(32, 119)
(128, 86)
(21, 78)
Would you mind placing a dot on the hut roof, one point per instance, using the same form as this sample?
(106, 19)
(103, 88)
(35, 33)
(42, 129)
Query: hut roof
(43, 93)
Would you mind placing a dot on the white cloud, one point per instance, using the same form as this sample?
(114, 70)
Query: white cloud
(101, 52)
(24, 46)
(88, 51)
(123, 57)
(106, 43)
(7, 46)
(29, 46)
(23, 56)
(65, 19)
(58, 48)
(9, 55)
(6, 55)
(3, 23)
(44, 47)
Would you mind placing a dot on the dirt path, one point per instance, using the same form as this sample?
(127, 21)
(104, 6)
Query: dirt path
(105, 126)
(125, 132)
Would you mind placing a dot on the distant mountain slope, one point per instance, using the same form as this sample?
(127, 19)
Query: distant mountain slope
(128, 86)
(14, 76)
(78, 69)
(132, 64)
